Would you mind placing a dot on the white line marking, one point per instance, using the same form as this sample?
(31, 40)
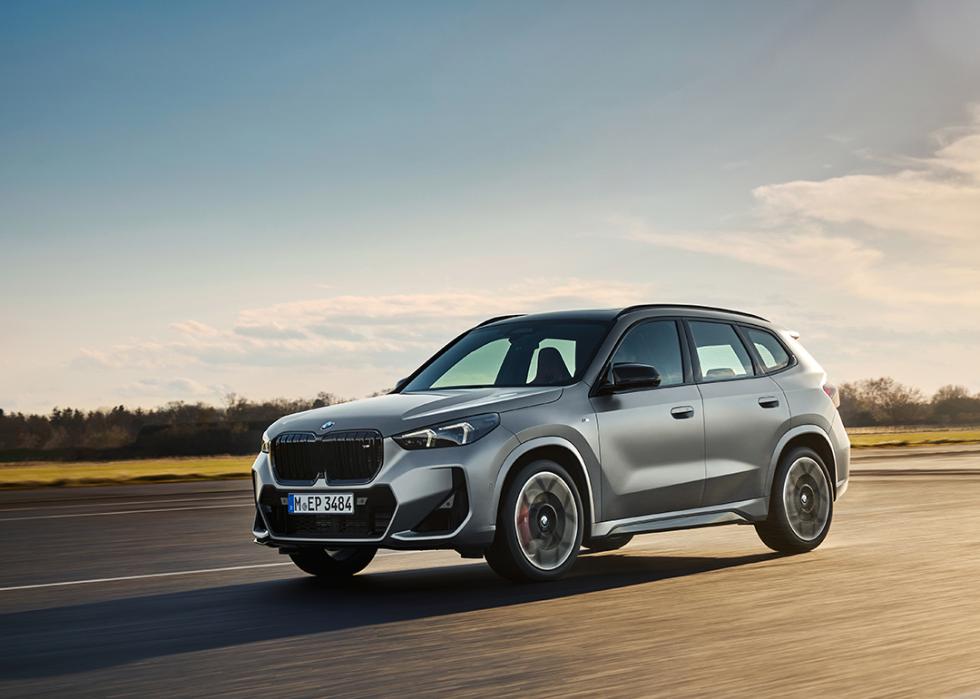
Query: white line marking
(158, 501)
(127, 512)
(200, 571)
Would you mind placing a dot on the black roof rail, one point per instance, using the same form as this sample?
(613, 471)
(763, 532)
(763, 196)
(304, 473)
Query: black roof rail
(644, 306)
(496, 318)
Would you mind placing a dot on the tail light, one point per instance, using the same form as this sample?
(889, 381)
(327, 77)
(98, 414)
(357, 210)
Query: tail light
(832, 393)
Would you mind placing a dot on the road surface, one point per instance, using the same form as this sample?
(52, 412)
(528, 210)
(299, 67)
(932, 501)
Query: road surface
(158, 590)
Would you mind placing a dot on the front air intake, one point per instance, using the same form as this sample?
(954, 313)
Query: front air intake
(340, 457)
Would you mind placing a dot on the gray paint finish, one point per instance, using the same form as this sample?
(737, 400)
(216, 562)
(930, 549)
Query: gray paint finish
(639, 465)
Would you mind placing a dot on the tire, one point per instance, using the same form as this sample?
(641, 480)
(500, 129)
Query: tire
(540, 525)
(333, 565)
(609, 543)
(801, 506)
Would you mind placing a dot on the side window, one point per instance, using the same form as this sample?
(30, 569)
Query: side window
(773, 356)
(721, 353)
(655, 343)
(478, 368)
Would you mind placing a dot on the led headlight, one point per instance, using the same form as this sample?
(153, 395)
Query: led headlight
(449, 434)
(266, 443)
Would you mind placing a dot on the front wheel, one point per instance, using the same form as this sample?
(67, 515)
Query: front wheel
(539, 526)
(333, 564)
(801, 505)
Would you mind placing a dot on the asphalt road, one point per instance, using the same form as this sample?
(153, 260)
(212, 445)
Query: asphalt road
(158, 590)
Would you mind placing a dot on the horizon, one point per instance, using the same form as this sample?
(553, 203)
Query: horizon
(320, 198)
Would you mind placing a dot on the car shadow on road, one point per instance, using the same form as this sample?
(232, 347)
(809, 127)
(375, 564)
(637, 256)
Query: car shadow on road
(84, 637)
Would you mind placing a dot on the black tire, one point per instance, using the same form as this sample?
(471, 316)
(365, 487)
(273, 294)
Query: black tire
(550, 528)
(800, 512)
(609, 543)
(333, 564)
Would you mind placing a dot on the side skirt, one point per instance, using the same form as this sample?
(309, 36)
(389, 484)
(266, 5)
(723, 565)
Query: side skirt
(743, 512)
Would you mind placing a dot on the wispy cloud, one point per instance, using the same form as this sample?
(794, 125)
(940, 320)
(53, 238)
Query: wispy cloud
(933, 198)
(354, 330)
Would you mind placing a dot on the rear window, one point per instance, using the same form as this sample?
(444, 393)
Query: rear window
(770, 350)
(721, 354)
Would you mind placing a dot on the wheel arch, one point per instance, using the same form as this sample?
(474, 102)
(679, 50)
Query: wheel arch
(556, 449)
(813, 437)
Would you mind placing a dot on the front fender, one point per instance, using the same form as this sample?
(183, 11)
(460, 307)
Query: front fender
(537, 443)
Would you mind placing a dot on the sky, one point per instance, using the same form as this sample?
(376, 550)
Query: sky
(278, 199)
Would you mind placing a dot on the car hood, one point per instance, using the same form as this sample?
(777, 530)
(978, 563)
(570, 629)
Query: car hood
(398, 412)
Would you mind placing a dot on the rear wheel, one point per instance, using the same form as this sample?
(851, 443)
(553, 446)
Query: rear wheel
(801, 505)
(333, 564)
(609, 543)
(539, 526)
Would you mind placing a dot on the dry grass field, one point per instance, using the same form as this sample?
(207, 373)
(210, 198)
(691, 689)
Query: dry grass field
(53, 473)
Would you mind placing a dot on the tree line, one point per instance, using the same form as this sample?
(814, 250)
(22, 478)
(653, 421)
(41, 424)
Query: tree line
(198, 429)
(884, 401)
(175, 429)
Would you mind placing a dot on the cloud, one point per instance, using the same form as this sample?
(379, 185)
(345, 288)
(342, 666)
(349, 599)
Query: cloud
(172, 389)
(933, 198)
(391, 330)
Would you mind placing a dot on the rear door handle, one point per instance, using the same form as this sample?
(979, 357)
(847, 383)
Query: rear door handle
(769, 402)
(682, 412)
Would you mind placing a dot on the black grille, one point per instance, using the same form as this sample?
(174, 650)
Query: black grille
(352, 457)
(373, 509)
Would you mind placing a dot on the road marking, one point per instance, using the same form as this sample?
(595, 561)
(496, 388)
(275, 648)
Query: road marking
(200, 571)
(127, 512)
(158, 501)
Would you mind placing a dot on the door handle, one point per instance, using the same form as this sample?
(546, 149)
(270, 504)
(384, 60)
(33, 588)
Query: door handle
(682, 412)
(769, 402)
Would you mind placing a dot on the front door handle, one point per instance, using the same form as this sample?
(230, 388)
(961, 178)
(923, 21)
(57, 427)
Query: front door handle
(769, 402)
(682, 412)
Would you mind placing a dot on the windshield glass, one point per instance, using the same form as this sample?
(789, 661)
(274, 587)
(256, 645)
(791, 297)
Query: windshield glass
(531, 353)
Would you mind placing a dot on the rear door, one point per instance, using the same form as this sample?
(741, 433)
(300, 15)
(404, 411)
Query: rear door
(745, 413)
(651, 440)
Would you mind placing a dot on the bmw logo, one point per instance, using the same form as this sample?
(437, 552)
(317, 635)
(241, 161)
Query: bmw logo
(327, 425)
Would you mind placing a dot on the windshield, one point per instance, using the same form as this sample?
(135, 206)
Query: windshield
(529, 353)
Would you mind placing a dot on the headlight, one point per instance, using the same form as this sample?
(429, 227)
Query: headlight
(266, 444)
(449, 434)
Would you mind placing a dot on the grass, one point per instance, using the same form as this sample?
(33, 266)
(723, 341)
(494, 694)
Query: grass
(914, 439)
(32, 474)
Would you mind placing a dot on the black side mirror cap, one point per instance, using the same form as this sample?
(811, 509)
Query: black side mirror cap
(628, 377)
(399, 385)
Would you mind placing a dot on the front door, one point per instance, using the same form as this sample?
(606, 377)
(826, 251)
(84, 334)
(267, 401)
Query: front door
(651, 440)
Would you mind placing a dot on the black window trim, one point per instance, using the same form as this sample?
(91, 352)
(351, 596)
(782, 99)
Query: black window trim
(754, 353)
(694, 355)
(682, 339)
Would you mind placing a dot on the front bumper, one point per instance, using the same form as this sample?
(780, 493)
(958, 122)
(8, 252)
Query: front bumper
(403, 507)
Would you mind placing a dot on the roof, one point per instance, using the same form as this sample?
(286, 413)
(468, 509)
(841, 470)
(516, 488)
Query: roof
(610, 314)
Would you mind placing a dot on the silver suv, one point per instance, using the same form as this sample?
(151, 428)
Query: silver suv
(530, 437)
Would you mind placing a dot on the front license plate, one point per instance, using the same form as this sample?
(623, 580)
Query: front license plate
(321, 503)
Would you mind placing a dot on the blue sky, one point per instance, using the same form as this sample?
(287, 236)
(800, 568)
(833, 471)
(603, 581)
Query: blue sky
(278, 199)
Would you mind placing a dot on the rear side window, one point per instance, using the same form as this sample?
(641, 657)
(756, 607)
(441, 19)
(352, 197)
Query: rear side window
(774, 357)
(721, 354)
(656, 344)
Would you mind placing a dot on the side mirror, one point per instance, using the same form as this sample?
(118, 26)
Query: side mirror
(399, 385)
(627, 377)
